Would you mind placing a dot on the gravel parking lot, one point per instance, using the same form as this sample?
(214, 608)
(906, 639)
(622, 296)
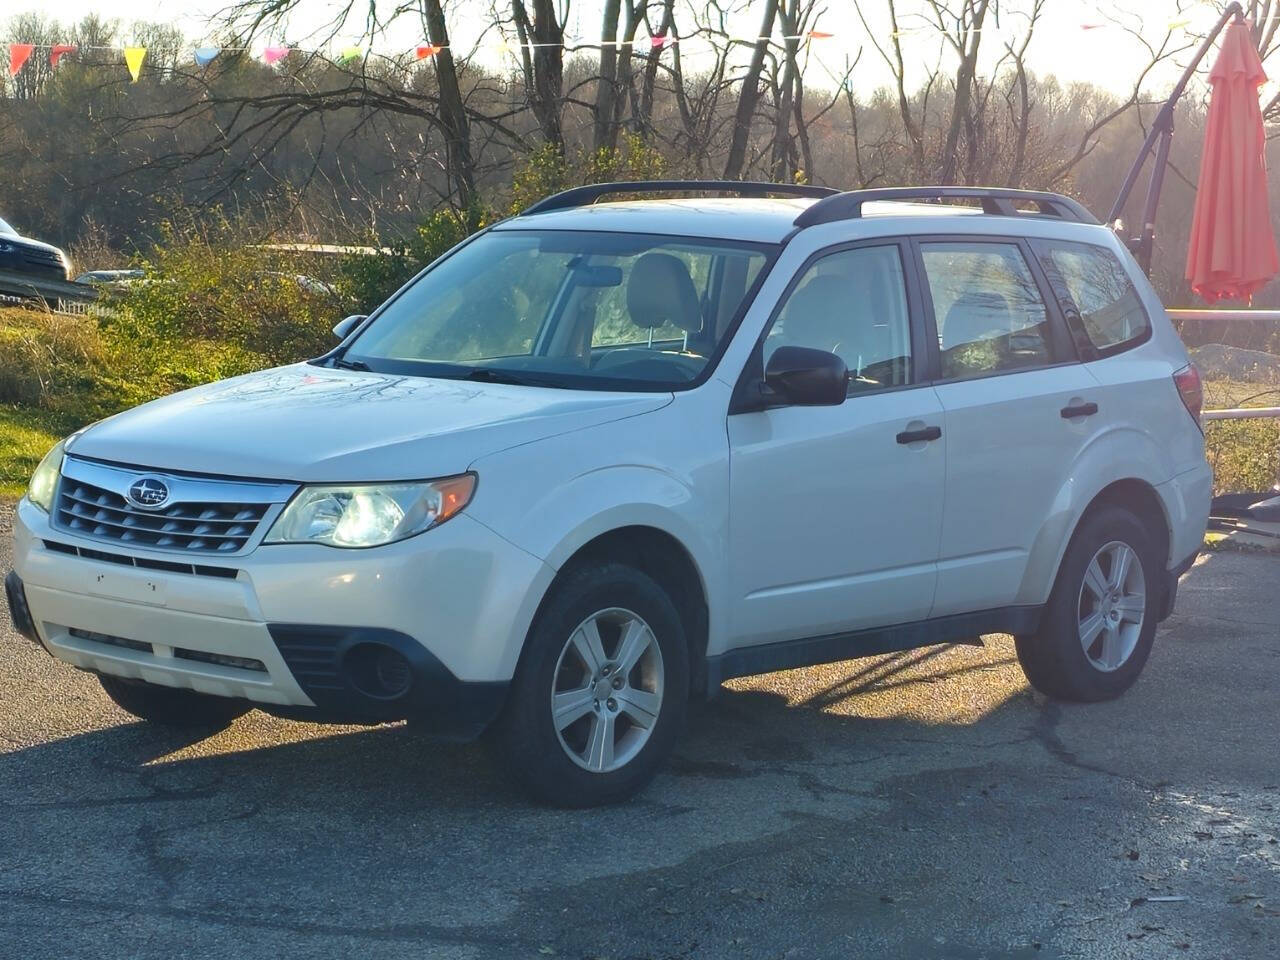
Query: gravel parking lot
(920, 805)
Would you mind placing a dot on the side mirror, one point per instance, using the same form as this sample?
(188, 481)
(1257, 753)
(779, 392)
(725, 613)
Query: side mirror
(343, 327)
(806, 377)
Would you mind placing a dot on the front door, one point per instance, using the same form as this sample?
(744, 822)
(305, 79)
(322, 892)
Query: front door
(835, 512)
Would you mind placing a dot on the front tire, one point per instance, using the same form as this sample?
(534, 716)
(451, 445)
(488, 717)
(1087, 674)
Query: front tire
(1098, 627)
(599, 697)
(170, 707)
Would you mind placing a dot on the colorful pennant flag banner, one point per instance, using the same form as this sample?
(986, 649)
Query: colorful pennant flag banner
(133, 57)
(18, 54)
(60, 50)
(206, 55)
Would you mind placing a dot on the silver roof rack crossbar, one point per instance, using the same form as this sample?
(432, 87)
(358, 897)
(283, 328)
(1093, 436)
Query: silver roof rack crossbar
(584, 196)
(999, 201)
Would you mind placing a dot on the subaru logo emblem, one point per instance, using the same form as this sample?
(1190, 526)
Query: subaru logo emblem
(150, 493)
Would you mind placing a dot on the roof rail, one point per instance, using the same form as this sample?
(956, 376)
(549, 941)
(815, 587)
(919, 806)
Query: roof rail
(999, 201)
(584, 196)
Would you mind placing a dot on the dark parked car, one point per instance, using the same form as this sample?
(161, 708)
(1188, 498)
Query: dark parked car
(31, 258)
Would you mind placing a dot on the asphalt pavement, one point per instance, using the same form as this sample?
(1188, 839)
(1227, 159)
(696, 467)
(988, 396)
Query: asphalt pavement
(923, 805)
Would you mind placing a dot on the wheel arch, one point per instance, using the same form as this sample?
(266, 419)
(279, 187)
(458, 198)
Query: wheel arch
(668, 561)
(1134, 494)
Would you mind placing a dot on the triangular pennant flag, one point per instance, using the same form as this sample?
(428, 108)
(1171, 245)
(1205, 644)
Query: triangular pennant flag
(60, 50)
(350, 53)
(206, 55)
(819, 35)
(133, 57)
(661, 40)
(1092, 26)
(428, 50)
(275, 54)
(18, 53)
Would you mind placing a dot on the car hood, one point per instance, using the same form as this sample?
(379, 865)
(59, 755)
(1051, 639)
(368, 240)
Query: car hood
(318, 425)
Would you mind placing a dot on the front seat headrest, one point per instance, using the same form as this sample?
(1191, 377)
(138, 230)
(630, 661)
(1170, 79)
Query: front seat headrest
(975, 316)
(660, 291)
(819, 313)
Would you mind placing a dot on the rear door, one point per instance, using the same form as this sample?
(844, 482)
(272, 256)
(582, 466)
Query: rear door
(1018, 406)
(835, 511)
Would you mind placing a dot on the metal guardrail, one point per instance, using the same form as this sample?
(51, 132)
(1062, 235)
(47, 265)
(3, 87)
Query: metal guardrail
(1210, 314)
(1234, 413)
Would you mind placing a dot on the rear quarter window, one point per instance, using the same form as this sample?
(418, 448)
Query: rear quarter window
(1110, 309)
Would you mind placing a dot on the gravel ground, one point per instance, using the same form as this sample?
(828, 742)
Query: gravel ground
(922, 805)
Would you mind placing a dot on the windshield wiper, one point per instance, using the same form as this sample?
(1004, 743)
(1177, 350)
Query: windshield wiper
(342, 363)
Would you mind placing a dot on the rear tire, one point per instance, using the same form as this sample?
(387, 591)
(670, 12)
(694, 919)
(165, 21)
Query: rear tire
(171, 707)
(1098, 627)
(599, 697)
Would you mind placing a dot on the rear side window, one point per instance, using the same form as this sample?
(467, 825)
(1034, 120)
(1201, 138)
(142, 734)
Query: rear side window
(1099, 285)
(989, 312)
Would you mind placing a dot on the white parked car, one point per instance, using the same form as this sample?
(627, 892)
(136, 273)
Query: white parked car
(603, 456)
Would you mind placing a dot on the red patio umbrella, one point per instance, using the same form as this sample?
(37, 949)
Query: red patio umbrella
(1233, 250)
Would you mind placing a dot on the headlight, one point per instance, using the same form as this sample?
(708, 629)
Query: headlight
(368, 515)
(45, 480)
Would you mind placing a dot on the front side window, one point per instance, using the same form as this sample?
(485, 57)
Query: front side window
(990, 315)
(854, 304)
(1098, 284)
(567, 308)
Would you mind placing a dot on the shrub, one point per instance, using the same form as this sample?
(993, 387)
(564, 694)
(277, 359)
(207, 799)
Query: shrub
(216, 285)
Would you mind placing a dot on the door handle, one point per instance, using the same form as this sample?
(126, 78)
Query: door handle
(1079, 410)
(915, 436)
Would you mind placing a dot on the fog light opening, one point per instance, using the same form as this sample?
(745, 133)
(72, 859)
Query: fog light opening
(379, 671)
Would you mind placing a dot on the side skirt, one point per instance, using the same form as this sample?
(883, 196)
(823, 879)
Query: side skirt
(966, 628)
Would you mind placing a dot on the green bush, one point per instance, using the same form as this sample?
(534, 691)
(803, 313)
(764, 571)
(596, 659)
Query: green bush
(1244, 454)
(215, 285)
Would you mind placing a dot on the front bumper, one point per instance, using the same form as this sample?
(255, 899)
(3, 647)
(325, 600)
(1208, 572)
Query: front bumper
(278, 626)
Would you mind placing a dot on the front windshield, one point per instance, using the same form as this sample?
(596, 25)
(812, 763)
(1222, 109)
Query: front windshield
(567, 308)
(6, 229)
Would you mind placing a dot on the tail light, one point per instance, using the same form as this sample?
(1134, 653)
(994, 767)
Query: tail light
(1191, 390)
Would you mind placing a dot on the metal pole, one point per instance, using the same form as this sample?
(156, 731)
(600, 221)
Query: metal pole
(1162, 131)
(1147, 243)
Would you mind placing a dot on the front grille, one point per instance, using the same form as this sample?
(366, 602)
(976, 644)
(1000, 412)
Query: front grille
(110, 641)
(41, 257)
(190, 526)
(180, 653)
(170, 566)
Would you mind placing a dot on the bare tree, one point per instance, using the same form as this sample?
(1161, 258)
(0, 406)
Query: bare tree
(749, 96)
(542, 59)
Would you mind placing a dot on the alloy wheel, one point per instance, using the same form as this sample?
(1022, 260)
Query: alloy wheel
(607, 690)
(1112, 605)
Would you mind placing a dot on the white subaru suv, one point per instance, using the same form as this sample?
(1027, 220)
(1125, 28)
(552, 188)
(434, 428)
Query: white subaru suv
(601, 457)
